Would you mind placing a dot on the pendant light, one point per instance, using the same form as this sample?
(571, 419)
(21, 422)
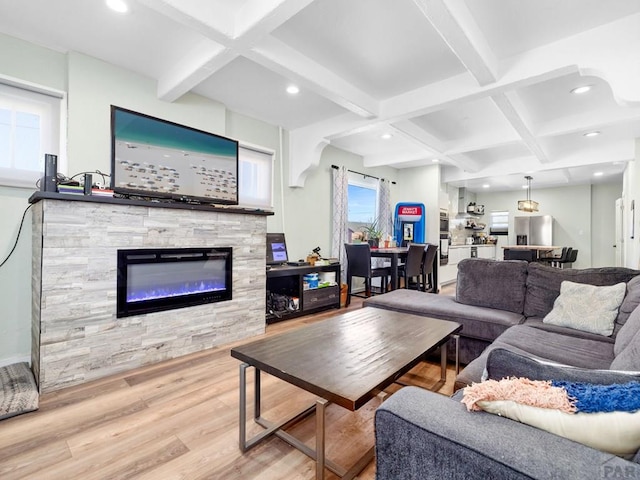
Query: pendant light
(528, 205)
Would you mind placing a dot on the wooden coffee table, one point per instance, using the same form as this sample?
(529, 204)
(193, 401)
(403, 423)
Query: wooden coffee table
(347, 359)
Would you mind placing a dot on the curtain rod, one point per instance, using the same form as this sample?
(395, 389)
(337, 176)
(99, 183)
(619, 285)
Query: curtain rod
(365, 175)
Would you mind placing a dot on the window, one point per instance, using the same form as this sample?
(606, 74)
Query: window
(255, 177)
(362, 201)
(29, 128)
(499, 222)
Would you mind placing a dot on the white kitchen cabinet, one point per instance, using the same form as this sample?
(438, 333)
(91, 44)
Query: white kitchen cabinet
(487, 251)
(449, 272)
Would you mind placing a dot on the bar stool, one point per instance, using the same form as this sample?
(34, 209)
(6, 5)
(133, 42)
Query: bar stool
(572, 256)
(566, 253)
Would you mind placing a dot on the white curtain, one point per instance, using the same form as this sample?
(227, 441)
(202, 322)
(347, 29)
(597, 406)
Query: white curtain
(340, 230)
(385, 214)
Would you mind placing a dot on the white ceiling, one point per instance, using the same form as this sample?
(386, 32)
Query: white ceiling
(481, 86)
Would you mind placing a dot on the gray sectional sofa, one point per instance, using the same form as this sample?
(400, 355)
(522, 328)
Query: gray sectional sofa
(492, 297)
(501, 305)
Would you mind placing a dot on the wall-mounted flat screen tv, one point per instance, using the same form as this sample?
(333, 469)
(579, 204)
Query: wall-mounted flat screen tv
(151, 157)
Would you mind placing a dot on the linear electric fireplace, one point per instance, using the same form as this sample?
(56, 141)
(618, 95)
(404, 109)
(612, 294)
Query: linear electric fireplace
(151, 280)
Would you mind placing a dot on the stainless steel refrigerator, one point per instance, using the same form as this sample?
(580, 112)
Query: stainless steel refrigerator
(534, 230)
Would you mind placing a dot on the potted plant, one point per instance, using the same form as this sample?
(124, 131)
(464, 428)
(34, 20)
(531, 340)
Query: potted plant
(372, 233)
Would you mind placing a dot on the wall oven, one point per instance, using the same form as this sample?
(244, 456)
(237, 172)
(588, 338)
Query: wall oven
(445, 237)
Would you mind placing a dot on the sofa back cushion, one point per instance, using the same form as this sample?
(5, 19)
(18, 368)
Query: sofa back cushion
(627, 332)
(543, 284)
(629, 304)
(492, 283)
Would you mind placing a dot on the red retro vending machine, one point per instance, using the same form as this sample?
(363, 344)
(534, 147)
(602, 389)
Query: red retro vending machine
(409, 225)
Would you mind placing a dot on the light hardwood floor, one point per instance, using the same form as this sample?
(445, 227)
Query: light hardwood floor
(179, 420)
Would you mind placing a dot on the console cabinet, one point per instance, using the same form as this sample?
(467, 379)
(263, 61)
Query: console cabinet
(285, 285)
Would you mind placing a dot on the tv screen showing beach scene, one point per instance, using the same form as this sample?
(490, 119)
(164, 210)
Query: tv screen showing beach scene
(156, 158)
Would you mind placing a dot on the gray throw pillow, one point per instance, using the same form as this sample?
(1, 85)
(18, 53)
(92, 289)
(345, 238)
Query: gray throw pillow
(587, 307)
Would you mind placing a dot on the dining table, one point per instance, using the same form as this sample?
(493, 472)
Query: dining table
(394, 254)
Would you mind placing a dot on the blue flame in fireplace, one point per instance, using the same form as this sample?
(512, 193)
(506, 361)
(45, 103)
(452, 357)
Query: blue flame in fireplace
(189, 288)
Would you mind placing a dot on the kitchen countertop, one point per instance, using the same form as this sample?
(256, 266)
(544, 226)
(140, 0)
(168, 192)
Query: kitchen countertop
(478, 245)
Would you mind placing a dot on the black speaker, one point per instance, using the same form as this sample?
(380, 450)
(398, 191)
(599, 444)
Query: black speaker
(50, 182)
(88, 180)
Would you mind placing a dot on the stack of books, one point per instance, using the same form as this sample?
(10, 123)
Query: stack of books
(72, 189)
(101, 192)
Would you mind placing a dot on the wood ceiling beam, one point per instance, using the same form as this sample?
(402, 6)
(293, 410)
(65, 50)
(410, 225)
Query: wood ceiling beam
(456, 26)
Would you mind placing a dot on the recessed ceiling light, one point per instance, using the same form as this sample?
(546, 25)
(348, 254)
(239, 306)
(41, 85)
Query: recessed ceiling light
(435, 160)
(525, 186)
(591, 134)
(293, 90)
(598, 174)
(117, 6)
(486, 185)
(385, 136)
(582, 89)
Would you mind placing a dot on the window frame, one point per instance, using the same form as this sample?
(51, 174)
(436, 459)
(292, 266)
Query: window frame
(23, 178)
(245, 200)
(364, 181)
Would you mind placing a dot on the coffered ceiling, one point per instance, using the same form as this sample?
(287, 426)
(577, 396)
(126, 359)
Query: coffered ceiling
(481, 86)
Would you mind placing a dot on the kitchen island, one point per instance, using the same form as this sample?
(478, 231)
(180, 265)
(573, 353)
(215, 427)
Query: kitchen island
(539, 252)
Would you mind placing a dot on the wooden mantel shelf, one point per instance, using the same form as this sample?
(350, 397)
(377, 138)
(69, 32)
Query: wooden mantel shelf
(37, 196)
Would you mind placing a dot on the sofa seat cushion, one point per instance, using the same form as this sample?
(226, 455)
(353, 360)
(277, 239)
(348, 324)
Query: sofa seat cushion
(543, 345)
(543, 284)
(537, 322)
(579, 352)
(477, 322)
(492, 284)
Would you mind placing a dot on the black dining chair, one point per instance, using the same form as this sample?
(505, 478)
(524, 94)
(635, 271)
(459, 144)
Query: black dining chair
(412, 270)
(359, 265)
(428, 265)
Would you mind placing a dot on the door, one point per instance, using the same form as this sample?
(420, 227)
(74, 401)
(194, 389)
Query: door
(619, 245)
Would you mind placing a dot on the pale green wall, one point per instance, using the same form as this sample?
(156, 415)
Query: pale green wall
(95, 85)
(576, 221)
(307, 211)
(33, 64)
(422, 185)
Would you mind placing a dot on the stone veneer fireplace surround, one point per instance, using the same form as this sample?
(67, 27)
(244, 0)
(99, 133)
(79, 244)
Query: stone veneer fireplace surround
(76, 336)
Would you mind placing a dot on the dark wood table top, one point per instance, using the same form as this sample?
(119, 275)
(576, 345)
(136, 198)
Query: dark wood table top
(348, 358)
